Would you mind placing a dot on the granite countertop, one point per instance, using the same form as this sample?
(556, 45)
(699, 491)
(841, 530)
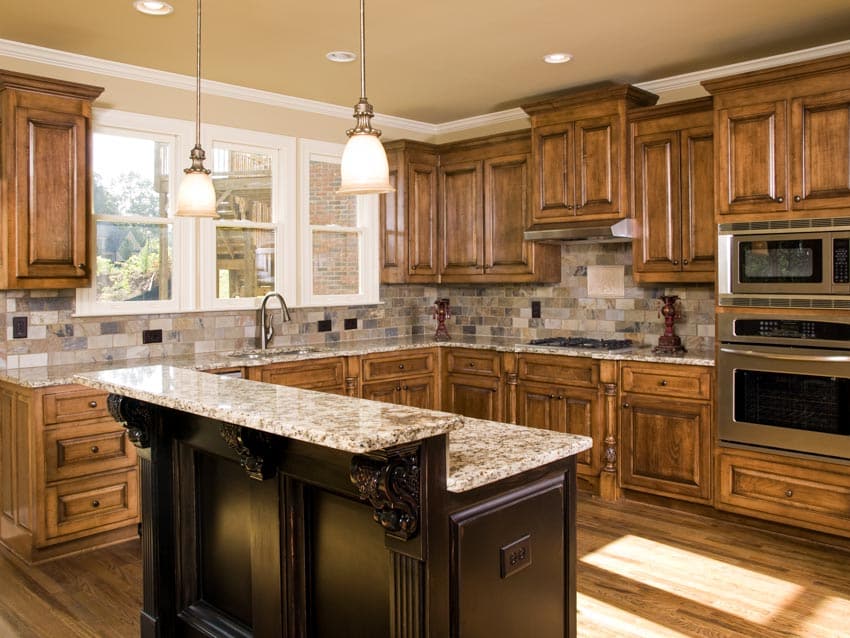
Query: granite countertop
(58, 375)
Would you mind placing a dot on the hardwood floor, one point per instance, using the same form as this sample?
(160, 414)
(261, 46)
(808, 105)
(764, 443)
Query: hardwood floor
(643, 571)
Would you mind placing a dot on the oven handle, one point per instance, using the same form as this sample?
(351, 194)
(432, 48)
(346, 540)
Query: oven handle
(788, 357)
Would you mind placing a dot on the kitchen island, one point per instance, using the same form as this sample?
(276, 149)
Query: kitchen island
(274, 511)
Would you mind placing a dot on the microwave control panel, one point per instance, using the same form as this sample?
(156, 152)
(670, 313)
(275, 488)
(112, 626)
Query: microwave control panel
(840, 262)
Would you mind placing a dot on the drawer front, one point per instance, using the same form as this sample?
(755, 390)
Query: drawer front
(74, 403)
(86, 449)
(377, 367)
(317, 374)
(564, 370)
(474, 362)
(792, 492)
(92, 504)
(679, 381)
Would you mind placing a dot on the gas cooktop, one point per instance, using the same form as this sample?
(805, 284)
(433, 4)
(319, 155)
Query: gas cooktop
(584, 343)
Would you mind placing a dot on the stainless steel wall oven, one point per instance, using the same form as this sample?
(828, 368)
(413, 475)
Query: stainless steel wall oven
(784, 383)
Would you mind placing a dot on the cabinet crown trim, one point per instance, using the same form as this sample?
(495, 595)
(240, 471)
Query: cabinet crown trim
(584, 95)
(784, 73)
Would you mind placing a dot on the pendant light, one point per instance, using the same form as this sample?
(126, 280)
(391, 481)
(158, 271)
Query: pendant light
(364, 161)
(196, 197)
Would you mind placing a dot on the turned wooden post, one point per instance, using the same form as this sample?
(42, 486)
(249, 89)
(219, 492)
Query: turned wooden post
(609, 489)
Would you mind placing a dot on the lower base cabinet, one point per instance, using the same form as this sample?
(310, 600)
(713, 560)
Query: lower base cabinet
(416, 392)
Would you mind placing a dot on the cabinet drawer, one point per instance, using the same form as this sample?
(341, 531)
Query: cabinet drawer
(86, 449)
(316, 374)
(564, 370)
(74, 403)
(395, 365)
(677, 380)
(92, 504)
(478, 362)
(797, 492)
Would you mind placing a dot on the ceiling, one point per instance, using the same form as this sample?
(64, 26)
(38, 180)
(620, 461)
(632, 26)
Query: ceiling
(433, 61)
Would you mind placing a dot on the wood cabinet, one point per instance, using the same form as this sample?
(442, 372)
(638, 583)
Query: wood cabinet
(796, 491)
(672, 183)
(579, 163)
(405, 378)
(563, 394)
(473, 384)
(45, 168)
(408, 217)
(783, 141)
(665, 430)
(67, 470)
(326, 374)
(484, 203)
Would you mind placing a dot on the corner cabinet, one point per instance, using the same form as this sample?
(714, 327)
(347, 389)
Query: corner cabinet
(579, 155)
(45, 182)
(783, 141)
(672, 181)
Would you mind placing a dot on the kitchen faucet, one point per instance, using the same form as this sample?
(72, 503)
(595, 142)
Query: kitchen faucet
(266, 327)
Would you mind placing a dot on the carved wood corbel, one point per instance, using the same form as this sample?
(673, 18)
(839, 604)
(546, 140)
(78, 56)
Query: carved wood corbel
(257, 450)
(134, 415)
(390, 482)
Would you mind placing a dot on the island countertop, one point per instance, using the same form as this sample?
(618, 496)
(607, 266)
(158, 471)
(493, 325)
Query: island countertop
(480, 452)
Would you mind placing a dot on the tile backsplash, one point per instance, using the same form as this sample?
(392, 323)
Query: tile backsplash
(55, 336)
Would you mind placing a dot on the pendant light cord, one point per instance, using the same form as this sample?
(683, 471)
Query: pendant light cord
(362, 50)
(198, 81)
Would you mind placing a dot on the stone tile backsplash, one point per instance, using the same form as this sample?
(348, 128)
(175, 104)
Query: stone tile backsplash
(56, 336)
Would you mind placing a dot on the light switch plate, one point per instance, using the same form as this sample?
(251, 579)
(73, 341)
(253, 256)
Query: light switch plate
(606, 281)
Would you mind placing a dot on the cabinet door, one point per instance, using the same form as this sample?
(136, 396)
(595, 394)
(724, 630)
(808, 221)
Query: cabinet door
(597, 164)
(580, 411)
(536, 405)
(554, 174)
(461, 219)
(506, 216)
(419, 392)
(474, 396)
(820, 151)
(657, 248)
(422, 221)
(664, 446)
(385, 391)
(52, 197)
(699, 233)
(393, 225)
(751, 163)
(325, 375)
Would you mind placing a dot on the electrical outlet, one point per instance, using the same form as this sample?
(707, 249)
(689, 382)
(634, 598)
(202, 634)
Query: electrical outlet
(19, 327)
(515, 556)
(152, 336)
(535, 310)
(324, 325)
(350, 324)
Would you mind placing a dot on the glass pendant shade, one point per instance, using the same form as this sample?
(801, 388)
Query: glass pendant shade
(196, 197)
(364, 166)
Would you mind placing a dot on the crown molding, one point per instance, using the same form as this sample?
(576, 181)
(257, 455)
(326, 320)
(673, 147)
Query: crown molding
(100, 66)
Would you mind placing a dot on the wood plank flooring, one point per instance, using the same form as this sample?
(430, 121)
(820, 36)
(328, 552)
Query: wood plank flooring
(643, 571)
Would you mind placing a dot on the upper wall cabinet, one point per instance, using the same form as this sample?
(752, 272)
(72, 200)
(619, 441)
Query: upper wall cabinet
(783, 141)
(45, 182)
(672, 184)
(579, 168)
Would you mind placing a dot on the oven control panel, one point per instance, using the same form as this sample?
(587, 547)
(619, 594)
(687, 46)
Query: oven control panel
(792, 329)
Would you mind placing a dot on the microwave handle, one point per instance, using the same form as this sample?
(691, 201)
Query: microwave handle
(788, 357)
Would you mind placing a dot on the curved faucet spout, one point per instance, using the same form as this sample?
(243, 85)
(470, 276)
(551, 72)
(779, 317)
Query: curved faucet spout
(266, 326)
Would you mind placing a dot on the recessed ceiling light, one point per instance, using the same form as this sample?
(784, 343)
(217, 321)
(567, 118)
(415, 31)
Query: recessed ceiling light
(153, 8)
(341, 56)
(557, 58)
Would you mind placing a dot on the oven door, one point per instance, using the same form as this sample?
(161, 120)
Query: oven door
(794, 399)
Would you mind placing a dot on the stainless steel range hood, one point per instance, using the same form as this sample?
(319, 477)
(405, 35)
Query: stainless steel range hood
(587, 232)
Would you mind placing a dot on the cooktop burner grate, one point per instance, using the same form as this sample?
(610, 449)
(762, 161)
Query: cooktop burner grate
(583, 342)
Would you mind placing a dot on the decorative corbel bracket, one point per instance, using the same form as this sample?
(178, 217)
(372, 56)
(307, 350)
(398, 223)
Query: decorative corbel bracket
(257, 450)
(390, 482)
(135, 416)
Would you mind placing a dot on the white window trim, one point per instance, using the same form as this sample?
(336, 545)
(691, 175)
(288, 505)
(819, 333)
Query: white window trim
(367, 227)
(282, 148)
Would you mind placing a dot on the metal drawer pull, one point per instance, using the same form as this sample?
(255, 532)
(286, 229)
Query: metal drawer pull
(94, 449)
(95, 503)
(789, 493)
(92, 404)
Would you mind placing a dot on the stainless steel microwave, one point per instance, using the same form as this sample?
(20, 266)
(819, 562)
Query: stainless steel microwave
(809, 263)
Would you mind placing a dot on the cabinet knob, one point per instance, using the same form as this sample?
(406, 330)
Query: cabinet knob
(780, 199)
(94, 449)
(684, 262)
(95, 503)
(405, 387)
(494, 390)
(560, 398)
(401, 366)
(81, 266)
(797, 198)
(663, 381)
(569, 206)
(675, 262)
(92, 404)
(578, 206)
(471, 364)
(397, 388)
(789, 493)
(551, 396)
(627, 405)
(413, 267)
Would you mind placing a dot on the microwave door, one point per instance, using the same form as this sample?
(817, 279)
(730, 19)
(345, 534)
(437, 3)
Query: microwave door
(780, 264)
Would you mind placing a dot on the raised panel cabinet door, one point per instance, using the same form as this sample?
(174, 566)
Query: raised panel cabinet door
(506, 215)
(422, 265)
(461, 219)
(418, 392)
(598, 159)
(752, 157)
(580, 411)
(553, 180)
(664, 446)
(699, 233)
(657, 248)
(536, 405)
(820, 151)
(384, 391)
(52, 196)
(393, 225)
(474, 396)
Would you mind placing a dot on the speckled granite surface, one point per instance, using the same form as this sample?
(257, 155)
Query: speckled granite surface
(483, 452)
(58, 375)
(342, 423)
